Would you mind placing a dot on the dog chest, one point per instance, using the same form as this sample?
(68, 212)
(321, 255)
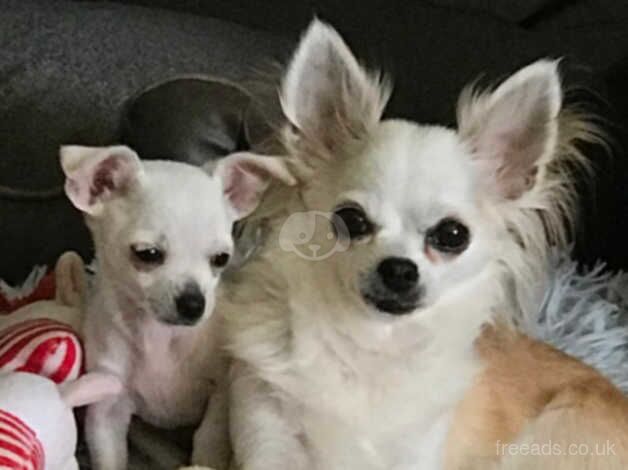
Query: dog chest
(171, 382)
(336, 444)
(390, 417)
(168, 395)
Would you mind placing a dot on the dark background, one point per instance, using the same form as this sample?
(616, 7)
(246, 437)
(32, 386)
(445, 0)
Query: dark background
(67, 68)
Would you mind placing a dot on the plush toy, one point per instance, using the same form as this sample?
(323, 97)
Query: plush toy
(37, 426)
(42, 337)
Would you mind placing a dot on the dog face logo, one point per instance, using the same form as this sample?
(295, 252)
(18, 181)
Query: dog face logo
(312, 235)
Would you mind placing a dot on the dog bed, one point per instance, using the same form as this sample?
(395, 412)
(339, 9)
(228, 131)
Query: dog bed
(584, 312)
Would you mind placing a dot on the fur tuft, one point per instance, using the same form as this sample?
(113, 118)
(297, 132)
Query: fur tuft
(327, 97)
(545, 219)
(344, 126)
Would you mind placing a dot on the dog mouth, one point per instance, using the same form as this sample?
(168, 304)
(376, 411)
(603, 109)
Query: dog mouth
(179, 321)
(392, 306)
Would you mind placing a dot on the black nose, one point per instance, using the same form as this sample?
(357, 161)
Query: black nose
(190, 303)
(400, 275)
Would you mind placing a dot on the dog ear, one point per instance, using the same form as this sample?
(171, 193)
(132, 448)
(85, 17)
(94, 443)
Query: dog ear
(70, 280)
(245, 176)
(514, 129)
(326, 95)
(95, 175)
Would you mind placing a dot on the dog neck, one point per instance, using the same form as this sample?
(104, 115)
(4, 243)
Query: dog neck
(134, 320)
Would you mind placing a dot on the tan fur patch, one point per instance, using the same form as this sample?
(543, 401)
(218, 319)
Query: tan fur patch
(530, 395)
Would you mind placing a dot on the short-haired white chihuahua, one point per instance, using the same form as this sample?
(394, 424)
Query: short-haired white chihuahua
(162, 235)
(373, 330)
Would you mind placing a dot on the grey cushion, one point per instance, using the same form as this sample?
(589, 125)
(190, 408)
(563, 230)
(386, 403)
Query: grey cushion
(65, 71)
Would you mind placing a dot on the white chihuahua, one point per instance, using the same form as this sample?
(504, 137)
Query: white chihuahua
(162, 234)
(377, 332)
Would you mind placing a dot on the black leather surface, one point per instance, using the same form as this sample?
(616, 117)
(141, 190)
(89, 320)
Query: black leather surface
(192, 119)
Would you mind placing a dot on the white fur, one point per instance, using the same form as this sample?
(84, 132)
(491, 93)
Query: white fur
(323, 380)
(133, 325)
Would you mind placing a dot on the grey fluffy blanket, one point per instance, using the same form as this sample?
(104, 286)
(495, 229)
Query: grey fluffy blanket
(585, 314)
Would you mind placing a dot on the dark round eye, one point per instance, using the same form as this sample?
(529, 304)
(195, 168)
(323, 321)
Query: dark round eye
(353, 222)
(148, 255)
(449, 236)
(219, 260)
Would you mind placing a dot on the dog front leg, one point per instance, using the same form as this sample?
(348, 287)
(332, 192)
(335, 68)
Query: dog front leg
(211, 440)
(106, 429)
(263, 437)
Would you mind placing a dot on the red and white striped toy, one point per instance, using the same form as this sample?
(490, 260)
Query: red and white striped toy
(40, 337)
(41, 362)
(20, 446)
(37, 426)
(44, 347)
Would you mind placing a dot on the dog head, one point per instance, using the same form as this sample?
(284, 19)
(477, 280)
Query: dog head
(425, 216)
(162, 229)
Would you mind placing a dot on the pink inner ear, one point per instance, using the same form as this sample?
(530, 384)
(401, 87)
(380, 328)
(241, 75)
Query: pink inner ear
(104, 178)
(243, 187)
(514, 151)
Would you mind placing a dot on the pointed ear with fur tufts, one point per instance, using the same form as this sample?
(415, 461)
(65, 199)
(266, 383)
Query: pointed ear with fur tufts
(326, 95)
(513, 130)
(95, 175)
(245, 176)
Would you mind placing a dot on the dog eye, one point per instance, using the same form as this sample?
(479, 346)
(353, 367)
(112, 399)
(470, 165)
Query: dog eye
(449, 236)
(148, 255)
(220, 260)
(353, 222)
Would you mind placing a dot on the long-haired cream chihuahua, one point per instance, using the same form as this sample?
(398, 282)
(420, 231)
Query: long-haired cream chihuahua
(374, 330)
(162, 234)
